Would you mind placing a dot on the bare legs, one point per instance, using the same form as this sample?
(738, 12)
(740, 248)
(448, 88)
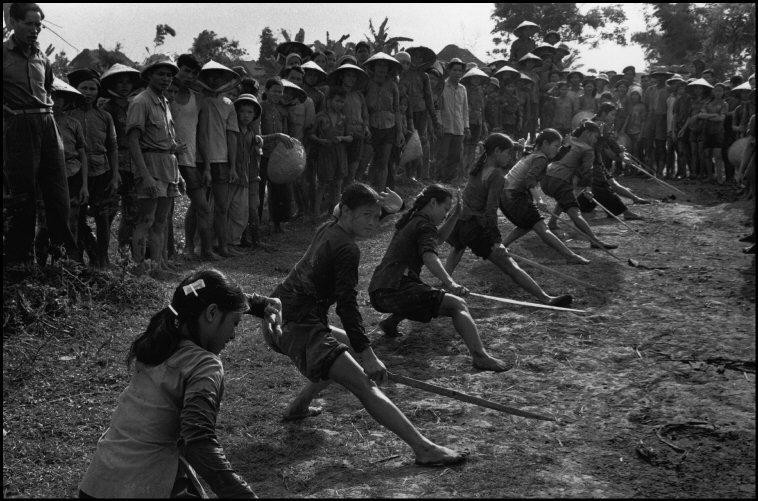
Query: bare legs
(347, 372)
(456, 308)
(549, 238)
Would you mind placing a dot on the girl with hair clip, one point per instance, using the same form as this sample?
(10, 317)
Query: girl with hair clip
(521, 190)
(476, 227)
(163, 430)
(575, 166)
(396, 286)
(328, 274)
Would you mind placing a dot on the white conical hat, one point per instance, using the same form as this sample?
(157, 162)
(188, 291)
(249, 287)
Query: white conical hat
(702, 82)
(527, 24)
(474, 73)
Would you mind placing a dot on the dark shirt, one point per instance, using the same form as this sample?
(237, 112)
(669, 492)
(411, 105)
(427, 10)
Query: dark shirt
(72, 136)
(26, 80)
(325, 275)
(118, 114)
(100, 135)
(404, 256)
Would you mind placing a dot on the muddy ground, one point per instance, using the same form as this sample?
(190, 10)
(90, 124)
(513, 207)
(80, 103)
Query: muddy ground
(662, 355)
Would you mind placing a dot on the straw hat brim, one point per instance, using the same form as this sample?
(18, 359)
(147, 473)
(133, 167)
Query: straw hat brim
(287, 48)
(335, 77)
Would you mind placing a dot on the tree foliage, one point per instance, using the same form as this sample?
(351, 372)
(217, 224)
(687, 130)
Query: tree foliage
(208, 45)
(380, 39)
(268, 45)
(605, 23)
(721, 35)
(60, 64)
(335, 46)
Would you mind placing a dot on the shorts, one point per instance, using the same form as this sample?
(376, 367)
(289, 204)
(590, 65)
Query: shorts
(560, 190)
(519, 208)
(165, 189)
(354, 149)
(471, 234)
(220, 172)
(412, 300)
(311, 347)
(193, 176)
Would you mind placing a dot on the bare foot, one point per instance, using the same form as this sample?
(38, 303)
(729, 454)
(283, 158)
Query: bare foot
(440, 456)
(489, 363)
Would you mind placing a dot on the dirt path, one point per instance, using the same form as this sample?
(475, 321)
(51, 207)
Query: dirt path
(673, 346)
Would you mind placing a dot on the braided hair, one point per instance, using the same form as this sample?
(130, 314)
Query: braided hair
(493, 141)
(164, 332)
(433, 191)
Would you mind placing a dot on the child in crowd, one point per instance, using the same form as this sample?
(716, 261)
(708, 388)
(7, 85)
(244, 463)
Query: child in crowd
(102, 163)
(383, 103)
(520, 198)
(477, 227)
(66, 99)
(273, 121)
(714, 112)
(328, 273)
(313, 80)
(681, 111)
(301, 112)
(587, 100)
(475, 93)
(511, 117)
(352, 79)
(635, 122)
(396, 286)
(492, 107)
(329, 137)
(118, 84)
(217, 132)
(565, 108)
(163, 431)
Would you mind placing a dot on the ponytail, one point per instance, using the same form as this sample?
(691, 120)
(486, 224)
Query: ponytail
(433, 191)
(190, 299)
(493, 141)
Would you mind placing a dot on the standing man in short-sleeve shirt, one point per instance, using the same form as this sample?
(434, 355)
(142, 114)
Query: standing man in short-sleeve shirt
(152, 144)
(32, 148)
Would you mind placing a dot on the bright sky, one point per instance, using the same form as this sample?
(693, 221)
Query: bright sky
(466, 25)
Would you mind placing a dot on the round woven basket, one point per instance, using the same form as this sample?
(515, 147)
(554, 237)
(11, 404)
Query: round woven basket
(286, 164)
(411, 150)
(736, 150)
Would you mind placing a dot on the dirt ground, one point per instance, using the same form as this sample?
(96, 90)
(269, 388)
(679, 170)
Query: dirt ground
(663, 354)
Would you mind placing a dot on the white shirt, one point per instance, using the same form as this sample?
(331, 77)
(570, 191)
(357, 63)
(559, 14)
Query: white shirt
(454, 109)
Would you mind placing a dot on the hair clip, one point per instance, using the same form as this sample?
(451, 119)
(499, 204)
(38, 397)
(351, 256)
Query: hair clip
(172, 310)
(193, 287)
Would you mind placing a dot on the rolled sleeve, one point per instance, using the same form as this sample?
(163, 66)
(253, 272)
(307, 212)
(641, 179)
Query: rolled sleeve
(426, 239)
